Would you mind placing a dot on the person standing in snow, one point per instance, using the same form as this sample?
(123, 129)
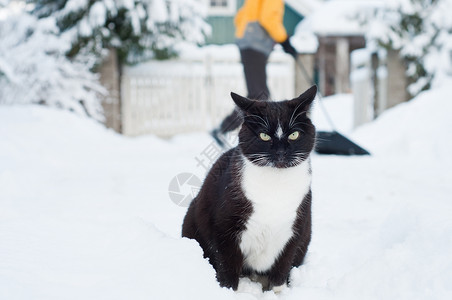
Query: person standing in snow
(259, 26)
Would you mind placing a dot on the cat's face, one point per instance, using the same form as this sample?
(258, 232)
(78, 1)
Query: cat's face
(277, 134)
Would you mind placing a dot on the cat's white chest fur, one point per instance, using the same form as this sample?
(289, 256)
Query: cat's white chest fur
(275, 195)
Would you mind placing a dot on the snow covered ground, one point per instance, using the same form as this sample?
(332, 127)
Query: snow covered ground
(85, 213)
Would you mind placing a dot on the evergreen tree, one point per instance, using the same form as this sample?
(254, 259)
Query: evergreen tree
(34, 67)
(419, 29)
(138, 29)
(46, 57)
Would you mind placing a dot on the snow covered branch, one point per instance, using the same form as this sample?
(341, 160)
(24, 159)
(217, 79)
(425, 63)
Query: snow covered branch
(138, 29)
(421, 31)
(35, 69)
(48, 56)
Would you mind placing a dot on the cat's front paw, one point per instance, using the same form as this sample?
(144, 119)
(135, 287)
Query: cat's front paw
(228, 280)
(278, 289)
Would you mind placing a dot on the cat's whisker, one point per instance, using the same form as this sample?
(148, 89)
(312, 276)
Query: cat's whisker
(258, 123)
(320, 139)
(292, 117)
(299, 123)
(259, 160)
(292, 121)
(264, 122)
(297, 158)
(259, 154)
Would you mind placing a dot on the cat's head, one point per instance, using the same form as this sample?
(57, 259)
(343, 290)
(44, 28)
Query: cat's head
(277, 134)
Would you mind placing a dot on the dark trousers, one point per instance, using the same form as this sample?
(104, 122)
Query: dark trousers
(254, 66)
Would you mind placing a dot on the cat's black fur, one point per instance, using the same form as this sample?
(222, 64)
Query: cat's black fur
(218, 215)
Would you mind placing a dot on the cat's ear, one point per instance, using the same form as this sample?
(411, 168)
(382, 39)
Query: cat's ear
(243, 103)
(305, 100)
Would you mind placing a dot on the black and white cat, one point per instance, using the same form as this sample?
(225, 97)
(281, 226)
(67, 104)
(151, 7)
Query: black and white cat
(252, 216)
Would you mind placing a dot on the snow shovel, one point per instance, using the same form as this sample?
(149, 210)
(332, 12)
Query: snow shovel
(331, 142)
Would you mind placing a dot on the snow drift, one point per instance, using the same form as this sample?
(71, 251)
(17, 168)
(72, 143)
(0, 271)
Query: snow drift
(85, 213)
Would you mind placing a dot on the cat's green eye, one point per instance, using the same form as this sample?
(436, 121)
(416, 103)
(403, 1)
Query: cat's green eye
(294, 135)
(265, 137)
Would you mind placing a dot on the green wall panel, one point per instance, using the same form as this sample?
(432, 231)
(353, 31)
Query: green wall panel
(222, 30)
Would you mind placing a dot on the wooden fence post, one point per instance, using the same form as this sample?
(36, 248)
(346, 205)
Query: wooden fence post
(361, 78)
(110, 78)
(397, 79)
(341, 83)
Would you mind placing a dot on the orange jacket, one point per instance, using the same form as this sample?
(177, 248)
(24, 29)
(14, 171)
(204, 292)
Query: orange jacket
(269, 14)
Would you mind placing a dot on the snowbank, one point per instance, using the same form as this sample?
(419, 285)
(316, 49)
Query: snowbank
(79, 206)
(85, 213)
(420, 129)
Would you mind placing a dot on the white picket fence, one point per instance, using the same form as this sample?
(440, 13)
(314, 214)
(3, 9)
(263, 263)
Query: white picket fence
(176, 96)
